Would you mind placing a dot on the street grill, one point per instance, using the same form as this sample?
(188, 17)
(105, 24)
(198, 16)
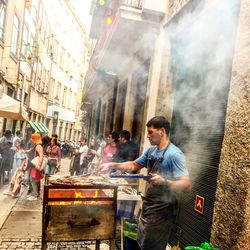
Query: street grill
(78, 209)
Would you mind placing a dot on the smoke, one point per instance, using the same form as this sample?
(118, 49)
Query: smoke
(202, 40)
(202, 47)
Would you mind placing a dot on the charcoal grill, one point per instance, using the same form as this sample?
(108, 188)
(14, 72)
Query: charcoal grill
(78, 213)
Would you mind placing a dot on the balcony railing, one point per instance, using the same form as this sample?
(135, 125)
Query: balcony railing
(131, 3)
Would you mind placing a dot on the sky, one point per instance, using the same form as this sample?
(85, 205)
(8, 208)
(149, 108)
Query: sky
(82, 7)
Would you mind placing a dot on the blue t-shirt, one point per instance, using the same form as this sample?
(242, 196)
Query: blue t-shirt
(173, 164)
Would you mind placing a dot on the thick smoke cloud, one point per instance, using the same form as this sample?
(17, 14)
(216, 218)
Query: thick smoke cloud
(202, 48)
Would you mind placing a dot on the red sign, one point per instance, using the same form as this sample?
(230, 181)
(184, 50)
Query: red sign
(199, 204)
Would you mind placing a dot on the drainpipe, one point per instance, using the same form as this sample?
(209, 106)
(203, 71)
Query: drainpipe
(35, 57)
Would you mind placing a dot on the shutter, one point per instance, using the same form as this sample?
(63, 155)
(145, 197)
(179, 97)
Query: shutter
(201, 65)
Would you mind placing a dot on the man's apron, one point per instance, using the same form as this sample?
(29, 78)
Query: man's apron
(157, 211)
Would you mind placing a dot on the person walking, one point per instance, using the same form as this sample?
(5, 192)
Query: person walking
(54, 155)
(19, 155)
(34, 175)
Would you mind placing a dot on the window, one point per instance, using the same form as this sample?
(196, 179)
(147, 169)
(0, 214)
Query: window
(20, 83)
(39, 83)
(25, 98)
(32, 44)
(43, 86)
(69, 104)
(15, 33)
(10, 92)
(64, 96)
(58, 93)
(51, 88)
(34, 78)
(2, 17)
(26, 47)
(55, 50)
(43, 29)
(62, 55)
(33, 9)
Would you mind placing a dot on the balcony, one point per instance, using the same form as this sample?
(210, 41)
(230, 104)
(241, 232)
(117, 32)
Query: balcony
(130, 31)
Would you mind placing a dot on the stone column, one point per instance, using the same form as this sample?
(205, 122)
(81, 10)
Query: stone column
(231, 222)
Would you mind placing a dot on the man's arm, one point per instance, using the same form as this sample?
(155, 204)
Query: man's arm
(180, 184)
(123, 166)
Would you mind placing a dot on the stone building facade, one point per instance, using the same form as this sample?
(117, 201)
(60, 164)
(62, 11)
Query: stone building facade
(231, 222)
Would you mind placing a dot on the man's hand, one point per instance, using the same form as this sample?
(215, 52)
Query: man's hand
(104, 167)
(156, 179)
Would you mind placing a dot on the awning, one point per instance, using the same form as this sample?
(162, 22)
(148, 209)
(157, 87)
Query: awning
(11, 109)
(32, 124)
(39, 127)
(44, 127)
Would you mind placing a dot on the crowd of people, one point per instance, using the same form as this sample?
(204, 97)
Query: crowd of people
(115, 147)
(16, 161)
(17, 156)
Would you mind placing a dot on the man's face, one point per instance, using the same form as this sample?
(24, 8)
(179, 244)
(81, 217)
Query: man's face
(122, 139)
(82, 143)
(154, 135)
(110, 139)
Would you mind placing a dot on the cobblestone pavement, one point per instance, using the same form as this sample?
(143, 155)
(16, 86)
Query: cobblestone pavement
(35, 244)
(21, 232)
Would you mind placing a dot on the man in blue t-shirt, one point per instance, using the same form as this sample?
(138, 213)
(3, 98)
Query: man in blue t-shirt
(167, 172)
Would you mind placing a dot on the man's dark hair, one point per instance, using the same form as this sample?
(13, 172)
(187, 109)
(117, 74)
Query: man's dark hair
(125, 134)
(115, 136)
(8, 134)
(55, 141)
(46, 140)
(54, 135)
(159, 122)
(18, 132)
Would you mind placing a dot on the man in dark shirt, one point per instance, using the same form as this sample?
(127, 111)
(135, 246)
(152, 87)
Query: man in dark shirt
(128, 151)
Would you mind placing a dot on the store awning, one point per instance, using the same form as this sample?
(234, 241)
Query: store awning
(39, 127)
(33, 125)
(46, 130)
(11, 109)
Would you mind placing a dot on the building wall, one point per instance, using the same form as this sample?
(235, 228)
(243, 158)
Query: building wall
(174, 7)
(232, 197)
(231, 223)
(67, 67)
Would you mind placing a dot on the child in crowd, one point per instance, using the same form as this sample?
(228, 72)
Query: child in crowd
(17, 179)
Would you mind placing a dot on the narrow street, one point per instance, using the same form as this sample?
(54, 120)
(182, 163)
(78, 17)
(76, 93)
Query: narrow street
(21, 222)
(151, 100)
